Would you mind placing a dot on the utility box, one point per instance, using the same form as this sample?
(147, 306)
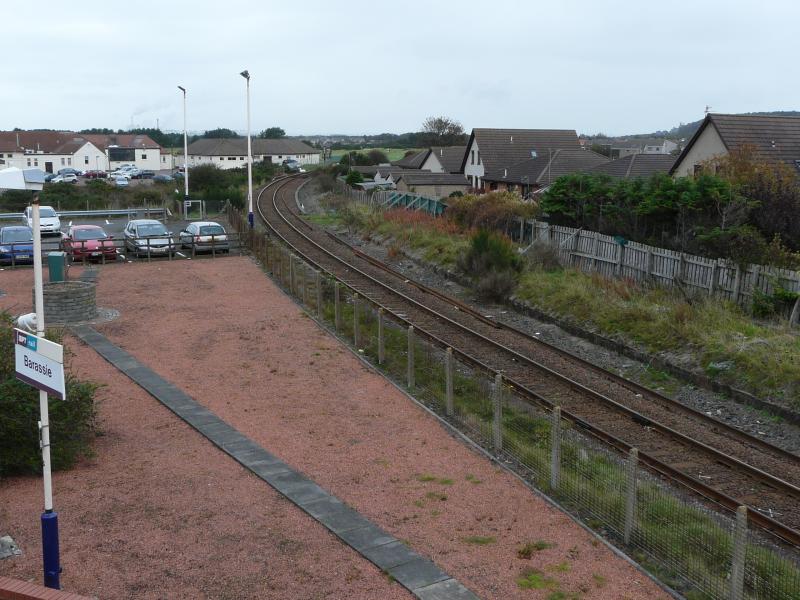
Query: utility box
(57, 266)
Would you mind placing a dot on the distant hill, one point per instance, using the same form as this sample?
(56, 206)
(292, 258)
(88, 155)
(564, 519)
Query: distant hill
(685, 130)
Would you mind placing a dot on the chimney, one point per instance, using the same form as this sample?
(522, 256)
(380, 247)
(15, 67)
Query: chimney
(18, 139)
(512, 139)
(505, 173)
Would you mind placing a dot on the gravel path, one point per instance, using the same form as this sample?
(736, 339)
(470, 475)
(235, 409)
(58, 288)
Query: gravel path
(230, 339)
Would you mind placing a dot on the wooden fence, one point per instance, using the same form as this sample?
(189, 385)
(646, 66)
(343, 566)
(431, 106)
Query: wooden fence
(593, 252)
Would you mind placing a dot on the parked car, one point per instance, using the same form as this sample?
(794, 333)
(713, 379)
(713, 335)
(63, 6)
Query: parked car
(118, 180)
(178, 175)
(146, 174)
(163, 178)
(291, 166)
(69, 171)
(65, 178)
(143, 236)
(16, 244)
(95, 174)
(49, 223)
(89, 242)
(133, 172)
(204, 236)
(50, 177)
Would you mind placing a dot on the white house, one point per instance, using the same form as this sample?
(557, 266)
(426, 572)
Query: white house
(49, 151)
(231, 153)
(444, 159)
(128, 148)
(498, 149)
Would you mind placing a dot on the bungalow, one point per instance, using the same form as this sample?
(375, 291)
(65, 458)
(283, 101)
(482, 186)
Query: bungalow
(444, 159)
(775, 139)
(49, 151)
(634, 166)
(432, 185)
(537, 173)
(493, 150)
(412, 161)
(231, 153)
(127, 148)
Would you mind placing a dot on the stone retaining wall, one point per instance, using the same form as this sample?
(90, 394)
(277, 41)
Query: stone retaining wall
(69, 302)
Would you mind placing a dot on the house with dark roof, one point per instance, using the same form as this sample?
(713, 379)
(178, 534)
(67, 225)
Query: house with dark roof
(231, 153)
(535, 174)
(390, 173)
(412, 161)
(444, 159)
(635, 166)
(775, 139)
(50, 151)
(432, 185)
(493, 150)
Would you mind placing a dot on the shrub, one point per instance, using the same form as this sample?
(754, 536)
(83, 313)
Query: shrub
(544, 256)
(72, 422)
(492, 263)
(353, 177)
(495, 210)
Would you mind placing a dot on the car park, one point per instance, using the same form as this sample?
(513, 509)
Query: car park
(204, 236)
(95, 174)
(118, 180)
(88, 242)
(16, 244)
(65, 178)
(49, 223)
(145, 237)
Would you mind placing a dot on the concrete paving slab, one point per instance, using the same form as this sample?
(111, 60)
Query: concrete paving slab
(390, 555)
(418, 573)
(449, 589)
(362, 538)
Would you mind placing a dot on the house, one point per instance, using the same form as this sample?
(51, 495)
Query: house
(369, 171)
(127, 148)
(492, 150)
(775, 139)
(390, 174)
(231, 153)
(535, 174)
(663, 146)
(49, 151)
(444, 159)
(412, 161)
(432, 185)
(634, 166)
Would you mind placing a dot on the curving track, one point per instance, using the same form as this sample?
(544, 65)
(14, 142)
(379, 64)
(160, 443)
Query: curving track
(723, 464)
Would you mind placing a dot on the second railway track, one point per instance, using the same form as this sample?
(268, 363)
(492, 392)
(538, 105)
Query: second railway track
(724, 464)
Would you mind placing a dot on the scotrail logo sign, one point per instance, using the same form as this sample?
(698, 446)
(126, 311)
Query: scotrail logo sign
(29, 341)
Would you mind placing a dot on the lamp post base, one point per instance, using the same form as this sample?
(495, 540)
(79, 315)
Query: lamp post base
(50, 550)
(250, 220)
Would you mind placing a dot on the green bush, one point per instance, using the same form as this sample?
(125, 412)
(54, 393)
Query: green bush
(354, 177)
(72, 422)
(492, 263)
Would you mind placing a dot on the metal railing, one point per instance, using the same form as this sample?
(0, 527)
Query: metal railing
(103, 212)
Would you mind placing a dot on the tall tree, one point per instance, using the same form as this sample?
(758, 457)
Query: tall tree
(221, 132)
(272, 133)
(443, 131)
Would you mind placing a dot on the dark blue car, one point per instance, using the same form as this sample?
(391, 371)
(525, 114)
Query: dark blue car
(16, 245)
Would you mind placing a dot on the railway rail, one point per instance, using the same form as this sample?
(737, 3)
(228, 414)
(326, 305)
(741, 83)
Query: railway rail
(723, 464)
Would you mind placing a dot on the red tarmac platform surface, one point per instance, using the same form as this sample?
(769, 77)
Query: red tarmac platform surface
(158, 512)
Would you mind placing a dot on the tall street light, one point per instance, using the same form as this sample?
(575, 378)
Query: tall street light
(185, 158)
(246, 75)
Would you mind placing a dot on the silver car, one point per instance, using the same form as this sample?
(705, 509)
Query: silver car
(145, 237)
(204, 236)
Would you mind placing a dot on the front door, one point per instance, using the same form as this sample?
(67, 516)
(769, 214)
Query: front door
(48, 166)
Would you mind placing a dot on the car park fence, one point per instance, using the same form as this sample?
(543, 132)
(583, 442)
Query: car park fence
(698, 548)
(144, 212)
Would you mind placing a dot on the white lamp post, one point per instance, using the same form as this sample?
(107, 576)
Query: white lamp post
(185, 158)
(246, 75)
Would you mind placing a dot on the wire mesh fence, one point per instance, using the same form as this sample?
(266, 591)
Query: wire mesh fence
(700, 550)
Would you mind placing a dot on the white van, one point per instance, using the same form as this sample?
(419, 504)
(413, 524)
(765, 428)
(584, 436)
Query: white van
(49, 223)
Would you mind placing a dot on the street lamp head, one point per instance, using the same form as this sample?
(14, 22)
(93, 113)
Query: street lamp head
(181, 88)
(245, 74)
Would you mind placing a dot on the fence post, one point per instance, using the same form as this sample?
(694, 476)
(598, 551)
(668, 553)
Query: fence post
(291, 273)
(304, 281)
(337, 307)
(410, 373)
(521, 231)
(756, 275)
(318, 289)
(448, 381)
(497, 421)
(793, 317)
(595, 248)
(712, 286)
(650, 263)
(739, 552)
(555, 447)
(681, 268)
(381, 341)
(355, 320)
(737, 284)
(620, 260)
(630, 492)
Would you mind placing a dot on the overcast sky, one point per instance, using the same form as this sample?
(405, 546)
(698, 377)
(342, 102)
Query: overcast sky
(617, 66)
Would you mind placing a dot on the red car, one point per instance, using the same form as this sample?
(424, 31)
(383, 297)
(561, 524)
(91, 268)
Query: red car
(95, 174)
(88, 242)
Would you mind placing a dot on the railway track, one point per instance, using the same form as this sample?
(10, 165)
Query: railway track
(723, 464)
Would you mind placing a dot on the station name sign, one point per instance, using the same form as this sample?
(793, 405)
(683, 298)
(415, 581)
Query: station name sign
(40, 363)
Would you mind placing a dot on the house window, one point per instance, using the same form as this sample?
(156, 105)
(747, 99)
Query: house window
(35, 162)
(472, 158)
(144, 156)
(698, 169)
(62, 161)
(241, 158)
(86, 160)
(29, 162)
(231, 158)
(69, 161)
(280, 155)
(8, 156)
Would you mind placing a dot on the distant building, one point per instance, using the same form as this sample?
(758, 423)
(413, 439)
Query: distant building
(633, 166)
(662, 147)
(432, 185)
(444, 159)
(231, 153)
(493, 151)
(49, 151)
(775, 139)
(412, 161)
(127, 149)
